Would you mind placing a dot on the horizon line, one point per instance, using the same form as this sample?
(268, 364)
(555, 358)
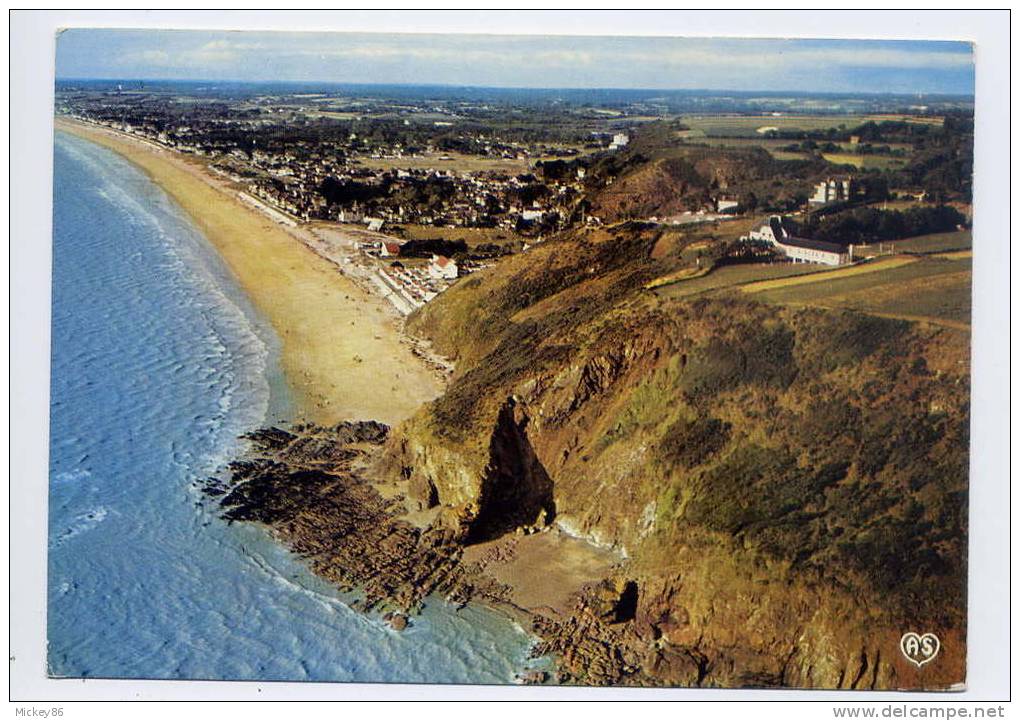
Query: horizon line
(833, 93)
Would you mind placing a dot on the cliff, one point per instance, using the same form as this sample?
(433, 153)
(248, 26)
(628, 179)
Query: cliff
(787, 485)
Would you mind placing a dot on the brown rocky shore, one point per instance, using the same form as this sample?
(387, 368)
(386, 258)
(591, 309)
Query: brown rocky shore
(713, 493)
(311, 487)
(604, 620)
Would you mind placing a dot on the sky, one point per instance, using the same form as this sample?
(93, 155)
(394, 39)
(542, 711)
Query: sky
(854, 66)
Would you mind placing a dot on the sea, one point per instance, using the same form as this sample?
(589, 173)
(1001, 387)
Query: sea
(159, 364)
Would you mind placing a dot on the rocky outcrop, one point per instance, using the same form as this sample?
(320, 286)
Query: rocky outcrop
(787, 485)
(307, 485)
(516, 490)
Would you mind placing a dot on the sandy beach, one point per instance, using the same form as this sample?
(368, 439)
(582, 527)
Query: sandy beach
(343, 352)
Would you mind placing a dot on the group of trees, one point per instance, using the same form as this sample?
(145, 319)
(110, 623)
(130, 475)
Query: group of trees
(869, 225)
(941, 160)
(427, 247)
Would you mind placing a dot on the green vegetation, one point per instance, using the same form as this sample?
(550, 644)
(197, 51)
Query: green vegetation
(734, 275)
(870, 225)
(863, 161)
(936, 242)
(936, 289)
(748, 125)
(795, 430)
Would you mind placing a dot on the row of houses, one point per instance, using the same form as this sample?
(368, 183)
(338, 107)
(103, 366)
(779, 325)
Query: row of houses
(415, 286)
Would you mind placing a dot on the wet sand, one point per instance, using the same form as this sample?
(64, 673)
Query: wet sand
(544, 569)
(343, 352)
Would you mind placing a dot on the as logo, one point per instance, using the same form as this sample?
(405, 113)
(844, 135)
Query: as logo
(919, 650)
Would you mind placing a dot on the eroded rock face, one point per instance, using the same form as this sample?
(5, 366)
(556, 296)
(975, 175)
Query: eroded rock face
(788, 486)
(307, 486)
(711, 625)
(516, 491)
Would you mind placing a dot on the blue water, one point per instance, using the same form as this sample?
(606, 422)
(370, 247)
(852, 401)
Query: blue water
(158, 364)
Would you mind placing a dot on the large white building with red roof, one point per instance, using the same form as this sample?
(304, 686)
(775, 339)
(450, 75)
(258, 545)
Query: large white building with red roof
(443, 268)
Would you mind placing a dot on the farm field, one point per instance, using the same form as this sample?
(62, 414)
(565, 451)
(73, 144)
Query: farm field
(776, 148)
(864, 161)
(747, 125)
(788, 155)
(334, 114)
(734, 275)
(930, 289)
(935, 243)
(828, 275)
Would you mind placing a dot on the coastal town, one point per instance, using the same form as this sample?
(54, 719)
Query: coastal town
(408, 195)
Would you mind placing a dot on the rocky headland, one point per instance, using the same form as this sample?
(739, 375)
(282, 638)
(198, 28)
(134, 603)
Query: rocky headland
(690, 491)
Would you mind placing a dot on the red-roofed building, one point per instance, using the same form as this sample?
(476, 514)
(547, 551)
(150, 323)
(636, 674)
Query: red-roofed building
(389, 248)
(443, 268)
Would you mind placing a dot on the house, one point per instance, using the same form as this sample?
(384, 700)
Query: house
(389, 248)
(442, 268)
(832, 190)
(800, 250)
(724, 204)
(619, 140)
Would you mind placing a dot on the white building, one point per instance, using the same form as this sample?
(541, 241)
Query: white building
(442, 268)
(724, 204)
(619, 140)
(801, 250)
(831, 190)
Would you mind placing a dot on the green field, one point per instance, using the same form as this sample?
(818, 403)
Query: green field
(734, 275)
(934, 289)
(746, 125)
(775, 147)
(935, 243)
(880, 162)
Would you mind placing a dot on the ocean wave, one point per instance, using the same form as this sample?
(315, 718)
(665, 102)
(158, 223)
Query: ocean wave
(82, 523)
(73, 476)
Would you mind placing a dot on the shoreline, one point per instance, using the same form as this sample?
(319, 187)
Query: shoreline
(281, 270)
(344, 354)
(312, 488)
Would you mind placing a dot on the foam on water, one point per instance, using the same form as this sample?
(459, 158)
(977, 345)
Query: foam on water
(159, 363)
